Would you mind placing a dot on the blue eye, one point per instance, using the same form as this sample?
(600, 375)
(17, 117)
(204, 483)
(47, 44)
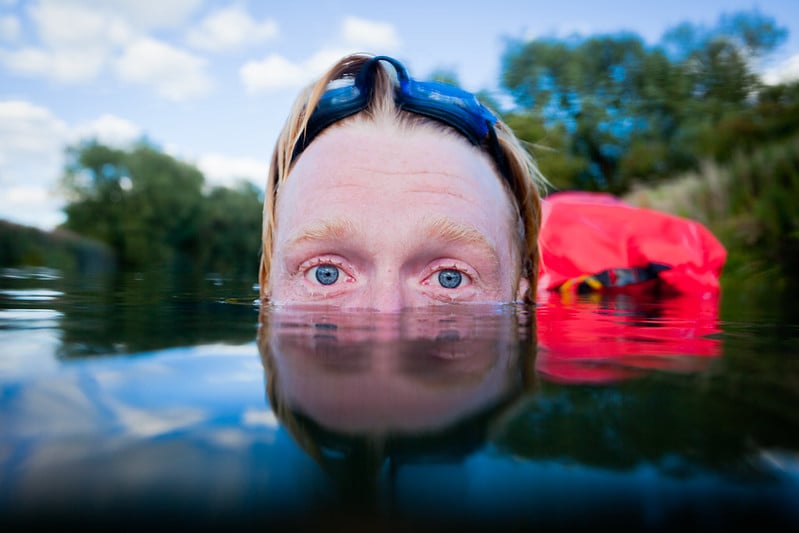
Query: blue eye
(326, 274)
(450, 279)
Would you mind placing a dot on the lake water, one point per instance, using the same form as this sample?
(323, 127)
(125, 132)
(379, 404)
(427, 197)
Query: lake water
(144, 400)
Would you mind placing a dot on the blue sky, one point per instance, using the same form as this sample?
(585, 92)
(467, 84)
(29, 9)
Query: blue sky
(211, 81)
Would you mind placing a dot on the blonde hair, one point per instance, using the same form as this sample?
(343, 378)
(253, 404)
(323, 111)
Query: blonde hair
(525, 181)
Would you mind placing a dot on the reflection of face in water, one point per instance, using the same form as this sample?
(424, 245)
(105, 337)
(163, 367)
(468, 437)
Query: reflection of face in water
(379, 374)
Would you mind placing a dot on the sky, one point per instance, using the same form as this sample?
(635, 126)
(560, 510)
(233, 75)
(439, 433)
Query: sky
(211, 81)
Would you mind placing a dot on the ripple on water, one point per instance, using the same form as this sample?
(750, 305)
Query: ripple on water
(28, 318)
(31, 295)
(39, 273)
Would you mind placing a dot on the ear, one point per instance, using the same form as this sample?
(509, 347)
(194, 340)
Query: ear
(523, 291)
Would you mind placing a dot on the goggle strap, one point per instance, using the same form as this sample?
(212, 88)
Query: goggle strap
(341, 102)
(499, 157)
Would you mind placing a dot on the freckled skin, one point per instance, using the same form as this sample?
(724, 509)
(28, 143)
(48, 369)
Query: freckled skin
(384, 191)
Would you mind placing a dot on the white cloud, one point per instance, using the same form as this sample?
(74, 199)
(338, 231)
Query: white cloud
(64, 65)
(27, 194)
(259, 417)
(140, 422)
(148, 15)
(224, 170)
(321, 61)
(10, 28)
(229, 28)
(32, 142)
(73, 25)
(108, 129)
(370, 34)
(32, 205)
(277, 72)
(273, 72)
(785, 72)
(175, 74)
(78, 40)
(141, 16)
(31, 156)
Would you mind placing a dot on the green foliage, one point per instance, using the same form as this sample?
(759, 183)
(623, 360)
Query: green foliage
(772, 116)
(589, 89)
(750, 203)
(549, 147)
(232, 228)
(152, 210)
(143, 203)
(634, 113)
(771, 174)
(27, 246)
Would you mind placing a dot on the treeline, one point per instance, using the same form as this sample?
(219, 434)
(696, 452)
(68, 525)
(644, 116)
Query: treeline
(613, 114)
(605, 112)
(27, 246)
(751, 202)
(155, 211)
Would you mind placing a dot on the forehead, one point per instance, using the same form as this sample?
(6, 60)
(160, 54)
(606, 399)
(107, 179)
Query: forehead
(356, 160)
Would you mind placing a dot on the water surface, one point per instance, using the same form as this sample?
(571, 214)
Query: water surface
(140, 398)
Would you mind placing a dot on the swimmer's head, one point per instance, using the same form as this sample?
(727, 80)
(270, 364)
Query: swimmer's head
(366, 148)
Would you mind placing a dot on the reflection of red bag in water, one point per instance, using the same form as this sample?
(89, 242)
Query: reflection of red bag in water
(621, 255)
(594, 241)
(601, 338)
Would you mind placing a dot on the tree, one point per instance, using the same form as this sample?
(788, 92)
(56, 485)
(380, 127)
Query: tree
(635, 112)
(231, 229)
(151, 209)
(143, 203)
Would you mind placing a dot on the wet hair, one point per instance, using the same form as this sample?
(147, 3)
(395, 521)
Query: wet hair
(524, 183)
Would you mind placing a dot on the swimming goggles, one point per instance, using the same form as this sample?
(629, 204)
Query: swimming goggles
(446, 103)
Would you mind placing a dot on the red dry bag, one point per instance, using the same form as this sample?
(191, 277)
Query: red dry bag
(596, 242)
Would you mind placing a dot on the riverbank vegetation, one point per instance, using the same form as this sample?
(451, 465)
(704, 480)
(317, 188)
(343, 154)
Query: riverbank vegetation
(751, 204)
(147, 210)
(27, 246)
(686, 126)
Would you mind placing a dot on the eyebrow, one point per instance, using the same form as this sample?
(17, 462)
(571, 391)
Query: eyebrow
(454, 232)
(442, 229)
(451, 231)
(323, 230)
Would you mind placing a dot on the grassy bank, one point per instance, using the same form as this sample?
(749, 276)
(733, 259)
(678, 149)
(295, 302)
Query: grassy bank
(67, 251)
(751, 203)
